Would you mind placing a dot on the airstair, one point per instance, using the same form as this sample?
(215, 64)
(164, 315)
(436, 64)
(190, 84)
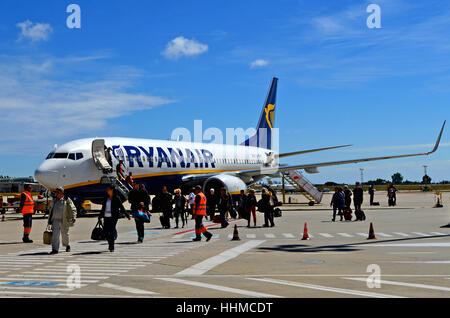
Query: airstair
(118, 185)
(296, 179)
(100, 158)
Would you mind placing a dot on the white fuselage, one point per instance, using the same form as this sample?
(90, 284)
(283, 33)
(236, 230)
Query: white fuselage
(154, 162)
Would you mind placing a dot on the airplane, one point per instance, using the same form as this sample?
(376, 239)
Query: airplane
(82, 169)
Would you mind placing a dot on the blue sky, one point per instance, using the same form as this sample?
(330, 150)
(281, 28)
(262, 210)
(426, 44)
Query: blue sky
(143, 68)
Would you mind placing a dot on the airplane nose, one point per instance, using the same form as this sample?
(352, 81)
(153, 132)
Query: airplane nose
(46, 177)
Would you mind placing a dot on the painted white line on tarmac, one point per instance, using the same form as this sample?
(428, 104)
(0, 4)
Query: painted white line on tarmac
(419, 262)
(409, 245)
(396, 253)
(223, 257)
(383, 234)
(51, 276)
(269, 235)
(389, 282)
(438, 233)
(362, 234)
(59, 280)
(4, 292)
(325, 288)
(420, 234)
(288, 235)
(326, 235)
(37, 288)
(251, 236)
(345, 234)
(130, 290)
(401, 234)
(85, 270)
(219, 288)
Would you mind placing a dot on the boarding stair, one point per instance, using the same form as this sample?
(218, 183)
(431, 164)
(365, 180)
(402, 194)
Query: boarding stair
(305, 187)
(99, 156)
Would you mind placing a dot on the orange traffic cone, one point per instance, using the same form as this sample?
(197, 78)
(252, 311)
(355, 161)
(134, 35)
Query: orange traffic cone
(235, 234)
(305, 233)
(371, 233)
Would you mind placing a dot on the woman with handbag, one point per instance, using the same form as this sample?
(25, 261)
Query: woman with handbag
(112, 208)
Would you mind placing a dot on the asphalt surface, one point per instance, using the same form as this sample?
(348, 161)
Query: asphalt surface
(411, 254)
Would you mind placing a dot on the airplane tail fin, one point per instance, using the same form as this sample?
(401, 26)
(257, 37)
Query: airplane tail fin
(263, 136)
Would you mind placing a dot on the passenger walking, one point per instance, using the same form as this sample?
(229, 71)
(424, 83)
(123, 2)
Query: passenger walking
(224, 205)
(392, 195)
(358, 197)
(62, 217)
(129, 180)
(242, 205)
(337, 202)
(347, 197)
(108, 155)
(211, 203)
(251, 207)
(112, 210)
(120, 171)
(268, 206)
(139, 200)
(27, 208)
(371, 193)
(199, 211)
(165, 204)
(191, 199)
(180, 203)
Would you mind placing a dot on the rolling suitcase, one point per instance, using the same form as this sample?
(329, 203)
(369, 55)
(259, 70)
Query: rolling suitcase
(360, 215)
(348, 214)
(216, 219)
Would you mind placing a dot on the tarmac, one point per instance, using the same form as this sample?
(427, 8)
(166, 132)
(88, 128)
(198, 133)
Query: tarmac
(409, 258)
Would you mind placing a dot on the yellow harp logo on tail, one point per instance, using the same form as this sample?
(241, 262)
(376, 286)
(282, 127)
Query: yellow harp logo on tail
(270, 111)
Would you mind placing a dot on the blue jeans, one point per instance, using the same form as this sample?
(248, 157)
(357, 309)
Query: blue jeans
(337, 208)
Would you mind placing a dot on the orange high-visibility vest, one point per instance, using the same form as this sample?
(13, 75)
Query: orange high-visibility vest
(200, 209)
(28, 205)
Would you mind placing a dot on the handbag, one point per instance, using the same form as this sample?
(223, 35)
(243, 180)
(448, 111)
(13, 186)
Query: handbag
(277, 213)
(48, 235)
(98, 233)
(142, 216)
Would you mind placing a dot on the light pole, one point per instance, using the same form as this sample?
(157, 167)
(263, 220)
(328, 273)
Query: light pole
(425, 167)
(362, 177)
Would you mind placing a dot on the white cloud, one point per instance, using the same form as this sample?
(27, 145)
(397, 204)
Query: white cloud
(259, 63)
(34, 31)
(181, 46)
(45, 99)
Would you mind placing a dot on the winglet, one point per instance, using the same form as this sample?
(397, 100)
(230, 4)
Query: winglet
(436, 146)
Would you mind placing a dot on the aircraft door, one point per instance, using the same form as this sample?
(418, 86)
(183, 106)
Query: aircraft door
(99, 155)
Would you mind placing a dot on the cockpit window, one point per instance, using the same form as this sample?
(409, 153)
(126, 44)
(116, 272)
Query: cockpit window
(60, 155)
(79, 155)
(50, 155)
(71, 156)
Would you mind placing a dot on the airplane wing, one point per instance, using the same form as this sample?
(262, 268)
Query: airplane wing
(270, 171)
(288, 154)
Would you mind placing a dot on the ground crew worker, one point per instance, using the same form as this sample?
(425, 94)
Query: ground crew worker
(63, 215)
(198, 212)
(27, 209)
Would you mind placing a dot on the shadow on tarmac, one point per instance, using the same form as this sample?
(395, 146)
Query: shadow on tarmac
(351, 247)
